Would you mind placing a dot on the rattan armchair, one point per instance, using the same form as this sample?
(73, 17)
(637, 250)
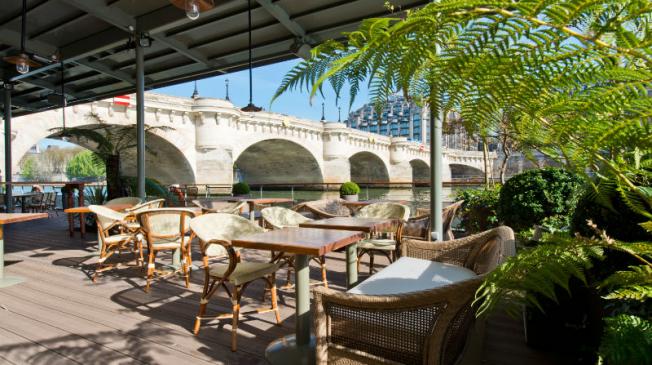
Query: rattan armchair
(217, 206)
(129, 200)
(325, 208)
(423, 327)
(215, 232)
(447, 214)
(279, 217)
(114, 237)
(167, 229)
(377, 244)
(133, 225)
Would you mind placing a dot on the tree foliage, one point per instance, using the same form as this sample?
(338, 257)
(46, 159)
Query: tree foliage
(85, 164)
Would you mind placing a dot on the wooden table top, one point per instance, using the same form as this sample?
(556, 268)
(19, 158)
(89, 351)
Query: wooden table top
(306, 241)
(86, 209)
(7, 218)
(366, 225)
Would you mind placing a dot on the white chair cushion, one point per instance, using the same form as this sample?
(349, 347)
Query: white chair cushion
(116, 238)
(378, 243)
(409, 274)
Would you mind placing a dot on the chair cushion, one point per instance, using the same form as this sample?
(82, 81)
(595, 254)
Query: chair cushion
(409, 274)
(245, 271)
(162, 244)
(378, 243)
(116, 238)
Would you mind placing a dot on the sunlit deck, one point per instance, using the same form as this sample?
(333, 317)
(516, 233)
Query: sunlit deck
(58, 316)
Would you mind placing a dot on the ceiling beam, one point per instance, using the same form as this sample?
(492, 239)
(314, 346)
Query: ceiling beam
(54, 88)
(284, 18)
(105, 69)
(126, 22)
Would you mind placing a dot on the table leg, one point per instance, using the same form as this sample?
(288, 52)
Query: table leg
(300, 347)
(5, 281)
(82, 225)
(351, 265)
(71, 224)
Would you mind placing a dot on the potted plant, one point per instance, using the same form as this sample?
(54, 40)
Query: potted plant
(349, 191)
(241, 189)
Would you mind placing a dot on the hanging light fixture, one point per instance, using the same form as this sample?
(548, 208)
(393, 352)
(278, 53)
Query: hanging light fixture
(250, 107)
(193, 7)
(22, 60)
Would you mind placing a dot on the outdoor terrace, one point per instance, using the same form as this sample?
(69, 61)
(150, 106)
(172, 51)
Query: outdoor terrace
(58, 316)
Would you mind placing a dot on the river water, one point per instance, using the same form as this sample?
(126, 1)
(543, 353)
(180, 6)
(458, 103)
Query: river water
(418, 197)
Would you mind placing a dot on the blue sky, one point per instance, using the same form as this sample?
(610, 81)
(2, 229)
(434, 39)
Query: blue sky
(266, 80)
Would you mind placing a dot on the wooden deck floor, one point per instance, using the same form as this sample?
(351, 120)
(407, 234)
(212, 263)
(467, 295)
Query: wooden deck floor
(58, 316)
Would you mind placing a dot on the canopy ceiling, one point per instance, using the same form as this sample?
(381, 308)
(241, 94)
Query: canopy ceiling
(91, 36)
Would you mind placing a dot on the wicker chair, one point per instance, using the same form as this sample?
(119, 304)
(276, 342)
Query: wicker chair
(114, 237)
(386, 246)
(125, 200)
(448, 214)
(217, 206)
(133, 224)
(423, 327)
(325, 208)
(279, 217)
(167, 229)
(215, 232)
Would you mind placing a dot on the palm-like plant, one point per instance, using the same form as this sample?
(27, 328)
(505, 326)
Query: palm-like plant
(109, 141)
(574, 77)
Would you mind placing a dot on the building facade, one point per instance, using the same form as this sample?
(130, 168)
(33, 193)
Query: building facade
(403, 118)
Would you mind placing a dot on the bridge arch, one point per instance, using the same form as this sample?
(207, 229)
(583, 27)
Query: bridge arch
(367, 167)
(278, 161)
(420, 172)
(459, 171)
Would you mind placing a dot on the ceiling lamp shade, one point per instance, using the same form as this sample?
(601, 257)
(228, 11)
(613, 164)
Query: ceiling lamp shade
(22, 60)
(193, 7)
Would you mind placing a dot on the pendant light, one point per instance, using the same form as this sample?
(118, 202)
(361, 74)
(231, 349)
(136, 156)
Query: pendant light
(22, 60)
(193, 7)
(250, 107)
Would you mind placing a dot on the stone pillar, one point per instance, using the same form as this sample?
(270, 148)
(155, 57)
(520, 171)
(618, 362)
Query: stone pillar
(400, 170)
(337, 168)
(213, 119)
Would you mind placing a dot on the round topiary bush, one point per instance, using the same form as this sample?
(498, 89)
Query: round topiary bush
(620, 223)
(349, 188)
(533, 196)
(241, 188)
(478, 212)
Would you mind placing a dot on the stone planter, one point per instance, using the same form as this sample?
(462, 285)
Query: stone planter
(350, 198)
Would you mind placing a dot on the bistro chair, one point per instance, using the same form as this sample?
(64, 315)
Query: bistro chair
(132, 223)
(217, 206)
(376, 243)
(192, 192)
(114, 237)
(429, 326)
(325, 208)
(128, 200)
(448, 215)
(278, 218)
(35, 203)
(215, 232)
(167, 229)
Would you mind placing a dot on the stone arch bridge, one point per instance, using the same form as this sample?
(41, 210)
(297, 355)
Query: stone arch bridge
(206, 141)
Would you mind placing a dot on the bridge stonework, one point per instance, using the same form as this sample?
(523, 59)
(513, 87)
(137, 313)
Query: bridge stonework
(204, 140)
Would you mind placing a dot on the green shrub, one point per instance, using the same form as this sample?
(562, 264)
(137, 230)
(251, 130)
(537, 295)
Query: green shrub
(241, 188)
(85, 164)
(538, 196)
(153, 188)
(478, 212)
(349, 188)
(620, 222)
